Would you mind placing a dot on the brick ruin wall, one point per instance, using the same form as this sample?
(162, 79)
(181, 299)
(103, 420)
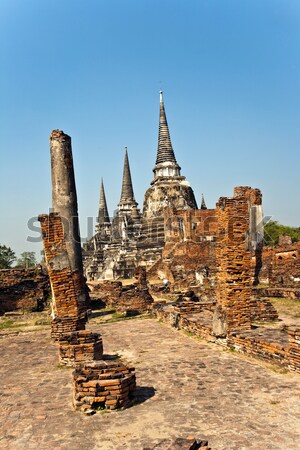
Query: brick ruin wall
(253, 195)
(68, 287)
(189, 255)
(132, 297)
(262, 310)
(188, 258)
(281, 266)
(236, 305)
(23, 289)
(280, 347)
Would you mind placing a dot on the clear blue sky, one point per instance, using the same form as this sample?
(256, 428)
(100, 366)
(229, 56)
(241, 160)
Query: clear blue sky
(230, 72)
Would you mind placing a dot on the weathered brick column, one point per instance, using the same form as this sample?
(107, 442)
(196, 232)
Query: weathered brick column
(233, 260)
(68, 286)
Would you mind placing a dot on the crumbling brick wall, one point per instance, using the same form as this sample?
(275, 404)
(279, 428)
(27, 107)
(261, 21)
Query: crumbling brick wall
(261, 309)
(281, 265)
(189, 225)
(188, 257)
(23, 289)
(108, 292)
(189, 254)
(253, 194)
(132, 297)
(68, 287)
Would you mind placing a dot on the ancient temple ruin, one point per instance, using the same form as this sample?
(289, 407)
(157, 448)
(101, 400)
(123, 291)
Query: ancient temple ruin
(132, 238)
(212, 259)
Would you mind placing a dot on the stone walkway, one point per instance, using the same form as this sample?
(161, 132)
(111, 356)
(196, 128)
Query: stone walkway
(186, 388)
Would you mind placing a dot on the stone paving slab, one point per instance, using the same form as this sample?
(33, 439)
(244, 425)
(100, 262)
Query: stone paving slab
(186, 388)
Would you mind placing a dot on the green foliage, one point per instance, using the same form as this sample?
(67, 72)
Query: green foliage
(26, 260)
(7, 257)
(273, 229)
(8, 323)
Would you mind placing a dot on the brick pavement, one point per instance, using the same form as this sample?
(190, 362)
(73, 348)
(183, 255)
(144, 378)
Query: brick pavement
(186, 387)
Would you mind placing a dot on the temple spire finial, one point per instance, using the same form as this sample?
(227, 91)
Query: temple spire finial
(165, 151)
(127, 195)
(103, 216)
(203, 204)
(166, 164)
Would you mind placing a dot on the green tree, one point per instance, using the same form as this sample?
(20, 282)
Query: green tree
(7, 257)
(273, 229)
(26, 260)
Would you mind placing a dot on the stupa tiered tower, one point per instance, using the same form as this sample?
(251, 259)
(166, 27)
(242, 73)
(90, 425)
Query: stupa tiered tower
(133, 239)
(169, 189)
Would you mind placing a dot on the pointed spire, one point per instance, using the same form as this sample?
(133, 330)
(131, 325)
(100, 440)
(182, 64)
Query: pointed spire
(165, 151)
(103, 216)
(203, 204)
(127, 195)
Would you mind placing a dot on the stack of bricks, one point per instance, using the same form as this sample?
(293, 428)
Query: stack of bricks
(68, 287)
(233, 259)
(103, 385)
(80, 347)
(293, 353)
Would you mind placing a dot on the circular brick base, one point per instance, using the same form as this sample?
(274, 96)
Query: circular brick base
(103, 385)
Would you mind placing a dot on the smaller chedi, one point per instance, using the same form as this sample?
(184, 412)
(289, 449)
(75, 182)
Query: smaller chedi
(133, 238)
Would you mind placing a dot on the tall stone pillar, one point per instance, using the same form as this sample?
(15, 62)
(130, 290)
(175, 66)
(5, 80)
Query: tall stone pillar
(60, 231)
(64, 197)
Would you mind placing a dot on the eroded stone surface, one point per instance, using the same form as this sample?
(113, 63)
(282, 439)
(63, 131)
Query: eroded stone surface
(186, 388)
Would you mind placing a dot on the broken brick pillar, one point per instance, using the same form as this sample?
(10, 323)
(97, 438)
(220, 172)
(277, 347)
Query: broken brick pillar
(67, 285)
(233, 261)
(61, 237)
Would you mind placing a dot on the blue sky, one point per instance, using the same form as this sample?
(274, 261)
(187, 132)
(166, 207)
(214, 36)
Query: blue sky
(230, 72)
